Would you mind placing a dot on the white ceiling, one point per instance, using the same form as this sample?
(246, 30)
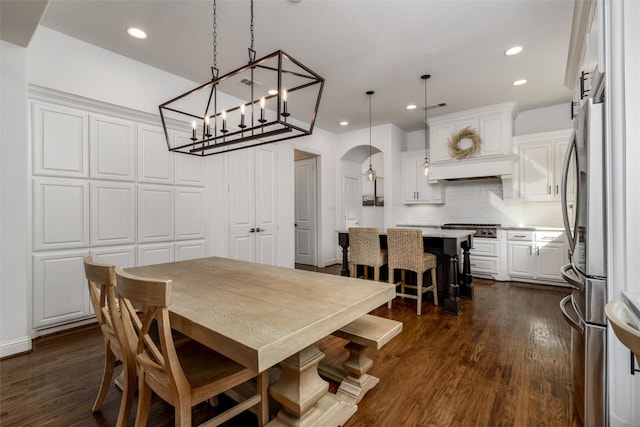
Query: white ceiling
(356, 45)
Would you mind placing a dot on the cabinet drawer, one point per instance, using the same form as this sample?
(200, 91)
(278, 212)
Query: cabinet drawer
(520, 235)
(550, 236)
(484, 247)
(484, 265)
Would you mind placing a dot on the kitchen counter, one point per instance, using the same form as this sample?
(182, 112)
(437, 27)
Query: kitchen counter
(502, 227)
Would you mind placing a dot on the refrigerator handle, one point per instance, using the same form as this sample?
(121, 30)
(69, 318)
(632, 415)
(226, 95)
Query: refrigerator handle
(576, 324)
(565, 172)
(571, 278)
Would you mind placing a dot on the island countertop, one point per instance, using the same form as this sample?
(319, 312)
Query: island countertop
(432, 232)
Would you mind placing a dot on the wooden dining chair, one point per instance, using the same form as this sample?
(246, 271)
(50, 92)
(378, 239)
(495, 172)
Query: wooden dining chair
(183, 376)
(364, 249)
(101, 279)
(406, 252)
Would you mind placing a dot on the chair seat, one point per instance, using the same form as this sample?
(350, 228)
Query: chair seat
(203, 366)
(429, 261)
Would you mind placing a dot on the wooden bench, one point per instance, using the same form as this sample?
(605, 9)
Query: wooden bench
(368, 331)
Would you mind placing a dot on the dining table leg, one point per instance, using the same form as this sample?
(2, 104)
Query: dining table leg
(304, 396)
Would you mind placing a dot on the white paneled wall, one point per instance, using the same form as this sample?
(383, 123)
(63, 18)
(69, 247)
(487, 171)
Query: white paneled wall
(105, 185)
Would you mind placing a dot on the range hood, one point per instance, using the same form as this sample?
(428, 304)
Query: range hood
(486, 167)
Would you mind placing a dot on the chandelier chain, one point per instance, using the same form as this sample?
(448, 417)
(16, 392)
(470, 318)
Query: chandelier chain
(215, 36)
(251, 27)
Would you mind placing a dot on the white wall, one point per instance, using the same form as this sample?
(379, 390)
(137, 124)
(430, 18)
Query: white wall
(556, 117)
(15, 297)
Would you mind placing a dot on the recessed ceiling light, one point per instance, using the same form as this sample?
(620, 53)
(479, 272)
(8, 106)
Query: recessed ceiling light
(513, 51)
(272, 92)
(411, 107)
(344, 123)
(519, 82)
(137, 33)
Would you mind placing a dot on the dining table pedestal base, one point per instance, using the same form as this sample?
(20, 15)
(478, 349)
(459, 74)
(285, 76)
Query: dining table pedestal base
(305, 397)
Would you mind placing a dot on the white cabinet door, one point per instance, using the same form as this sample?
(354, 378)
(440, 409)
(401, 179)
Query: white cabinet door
(409, 173)
(112, 145)
(189, 250)
(60, 141)
(190, 170)
(113, 213)
(155, 213)
(60, 213)
(520, 261)
(251, 184)
(190, 210)
(550, 257)
(492, 134)
(155, 161)
(536, 168)
(60, 293)
(416, 187)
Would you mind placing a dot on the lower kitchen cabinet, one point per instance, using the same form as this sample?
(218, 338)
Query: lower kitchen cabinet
(536, 256)
(484, 257)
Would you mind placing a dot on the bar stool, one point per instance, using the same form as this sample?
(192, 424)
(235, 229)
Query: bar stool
(406, 252)
(364, 245)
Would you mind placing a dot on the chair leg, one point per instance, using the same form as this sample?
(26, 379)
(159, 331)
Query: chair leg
(128, 392)
(434, 284)
(183, 413)
(352, 270)
(402, 275)
(376, 273)
(144, 401)
(391, 271)
(419, 293)
(107, 375)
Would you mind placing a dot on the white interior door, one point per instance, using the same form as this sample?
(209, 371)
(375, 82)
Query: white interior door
(251, 186)
(266, 217)
(241, 201)
(352, 201)
(305, 211)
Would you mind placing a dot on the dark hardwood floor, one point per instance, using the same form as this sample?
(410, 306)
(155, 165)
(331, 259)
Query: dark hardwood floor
(503, 362)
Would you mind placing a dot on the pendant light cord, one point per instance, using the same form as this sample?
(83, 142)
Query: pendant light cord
(370, 128)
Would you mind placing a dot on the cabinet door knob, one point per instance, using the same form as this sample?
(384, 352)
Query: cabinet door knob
(253, 230)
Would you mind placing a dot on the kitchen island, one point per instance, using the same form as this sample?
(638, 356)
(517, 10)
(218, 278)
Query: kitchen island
(445, 245)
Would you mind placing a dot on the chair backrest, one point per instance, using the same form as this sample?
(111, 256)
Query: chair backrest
(143, 301)
(101, 280)
(624, 326)
(364, 246)
(406, 249)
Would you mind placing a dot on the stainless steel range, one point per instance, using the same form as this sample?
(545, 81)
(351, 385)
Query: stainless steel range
(482, 230)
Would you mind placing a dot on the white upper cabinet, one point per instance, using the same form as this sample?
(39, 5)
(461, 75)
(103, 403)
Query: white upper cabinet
(113, 148)
(493, 124)
(416, 187)
(190, 170)
(61, 141)
(541, 158)
(155, 161)
(113, 213)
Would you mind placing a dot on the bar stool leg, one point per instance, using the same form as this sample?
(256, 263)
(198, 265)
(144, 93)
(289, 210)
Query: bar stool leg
(434, 283)
(419, 293)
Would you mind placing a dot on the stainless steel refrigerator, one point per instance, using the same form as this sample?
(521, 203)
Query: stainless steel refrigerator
(584, 191)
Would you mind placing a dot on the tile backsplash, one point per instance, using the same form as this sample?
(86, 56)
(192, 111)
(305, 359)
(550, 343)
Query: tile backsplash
(481, 202)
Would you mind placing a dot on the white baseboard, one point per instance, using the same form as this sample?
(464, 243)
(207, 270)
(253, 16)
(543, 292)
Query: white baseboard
(16, 346)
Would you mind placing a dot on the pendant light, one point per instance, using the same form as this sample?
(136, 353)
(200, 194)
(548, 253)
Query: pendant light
(278, 100)
(371, 174)
(427, 166)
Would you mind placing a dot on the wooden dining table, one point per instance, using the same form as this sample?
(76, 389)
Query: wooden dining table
(261, 316)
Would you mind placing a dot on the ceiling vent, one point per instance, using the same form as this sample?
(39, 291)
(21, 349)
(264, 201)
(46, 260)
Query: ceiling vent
(247, 82)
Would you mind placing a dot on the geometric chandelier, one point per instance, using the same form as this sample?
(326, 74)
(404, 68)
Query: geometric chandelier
(270, 99)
